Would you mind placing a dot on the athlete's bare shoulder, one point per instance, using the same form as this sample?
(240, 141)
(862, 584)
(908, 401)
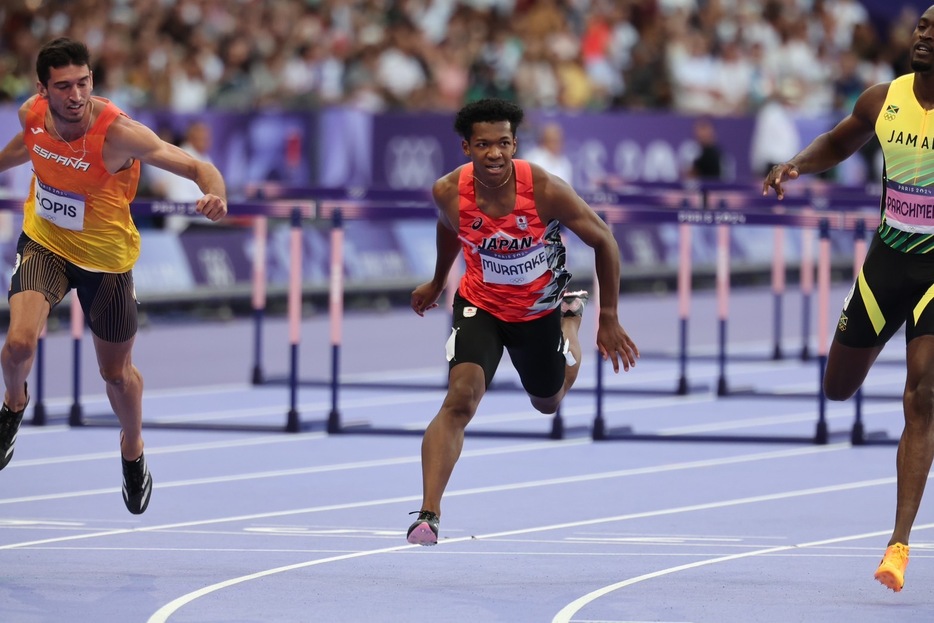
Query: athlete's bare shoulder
(869, 104)
(445, 189)
(24, 109)
(546, 182)
(123, 127)
(553, 196)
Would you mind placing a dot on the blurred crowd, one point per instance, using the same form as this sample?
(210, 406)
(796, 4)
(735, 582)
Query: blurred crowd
(699, 57)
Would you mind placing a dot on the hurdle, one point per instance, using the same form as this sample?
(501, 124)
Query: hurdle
(340, 205)
(723, 219)
(738, 196)
(335, 424)
(660, 212)
(296, 212)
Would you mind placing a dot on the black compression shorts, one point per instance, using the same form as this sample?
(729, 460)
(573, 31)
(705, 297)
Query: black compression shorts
(107, 299)
(536, 347)
(893, 289)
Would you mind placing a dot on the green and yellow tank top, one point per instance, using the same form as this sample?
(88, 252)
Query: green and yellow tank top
(76, 208)
(906, 133)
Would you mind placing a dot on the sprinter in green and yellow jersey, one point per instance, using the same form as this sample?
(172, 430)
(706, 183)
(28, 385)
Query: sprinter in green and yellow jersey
(895, 286)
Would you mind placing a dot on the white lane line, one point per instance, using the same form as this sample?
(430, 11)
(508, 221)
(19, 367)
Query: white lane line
(318, 469)
(549, 445)
(162, 615)
(804, 416)
(566, 613)
(196, 390)
(463, 492)
(188, 447)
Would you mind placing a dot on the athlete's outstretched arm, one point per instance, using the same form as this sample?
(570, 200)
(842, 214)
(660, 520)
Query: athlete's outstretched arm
(15, 152)
(832, 147)
(556, 200)
(448, 246)
(130, 139)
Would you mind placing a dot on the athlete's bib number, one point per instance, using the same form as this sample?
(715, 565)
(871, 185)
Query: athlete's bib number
(64, 209)
(514, 268)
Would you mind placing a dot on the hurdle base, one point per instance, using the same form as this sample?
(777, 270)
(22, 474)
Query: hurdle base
(859, 437)
(682, 389)
(504, 386)
(39, 415)
(257, 376)
(279, 380)
(111, 421)
(76, 415)
(627, 433)
(598, 430)
(724, 391)
(558, 431)
(293, 423)
(753, 392)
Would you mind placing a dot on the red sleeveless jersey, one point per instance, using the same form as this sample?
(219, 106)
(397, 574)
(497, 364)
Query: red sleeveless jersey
(515, 265)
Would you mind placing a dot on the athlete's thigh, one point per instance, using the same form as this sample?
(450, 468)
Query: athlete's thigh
(113, 358)
(880, 300)
(536, 349)
(920, 317)
(38, 270)
(108, 301)
(475, 338)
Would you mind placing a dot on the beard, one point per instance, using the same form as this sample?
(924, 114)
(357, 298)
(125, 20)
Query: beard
(920, 65)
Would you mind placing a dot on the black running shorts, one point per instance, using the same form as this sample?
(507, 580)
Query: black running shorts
(107, 299)
(893, 289)
(536, 347)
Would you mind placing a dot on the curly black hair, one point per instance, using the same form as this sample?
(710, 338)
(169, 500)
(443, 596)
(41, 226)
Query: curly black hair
(485, 110)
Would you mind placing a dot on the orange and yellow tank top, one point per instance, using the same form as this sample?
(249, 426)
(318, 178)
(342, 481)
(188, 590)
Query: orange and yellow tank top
(75, 208)
(906, 133)
(515, 265)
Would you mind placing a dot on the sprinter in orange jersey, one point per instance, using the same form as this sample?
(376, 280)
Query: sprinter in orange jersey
(78, 233)
(505, 215)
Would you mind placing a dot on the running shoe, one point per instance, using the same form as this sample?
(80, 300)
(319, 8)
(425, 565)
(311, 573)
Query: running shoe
(572, 304)
(891, 571)
(137, 484)
(9, 427)
(425, 529)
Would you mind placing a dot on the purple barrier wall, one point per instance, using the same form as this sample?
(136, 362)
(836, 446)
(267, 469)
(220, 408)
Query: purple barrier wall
(352, 148)
(411, 151)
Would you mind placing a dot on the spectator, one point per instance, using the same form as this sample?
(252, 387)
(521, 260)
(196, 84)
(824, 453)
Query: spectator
(549, 153)
(186, 54)
(775, 136)
(164, 185)
(708, 164)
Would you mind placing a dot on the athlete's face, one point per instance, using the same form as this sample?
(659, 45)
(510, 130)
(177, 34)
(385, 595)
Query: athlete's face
(922, 43)
(491, 148)
(68, 91)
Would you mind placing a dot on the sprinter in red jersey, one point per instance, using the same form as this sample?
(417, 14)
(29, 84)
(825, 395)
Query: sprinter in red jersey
(505, 216)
